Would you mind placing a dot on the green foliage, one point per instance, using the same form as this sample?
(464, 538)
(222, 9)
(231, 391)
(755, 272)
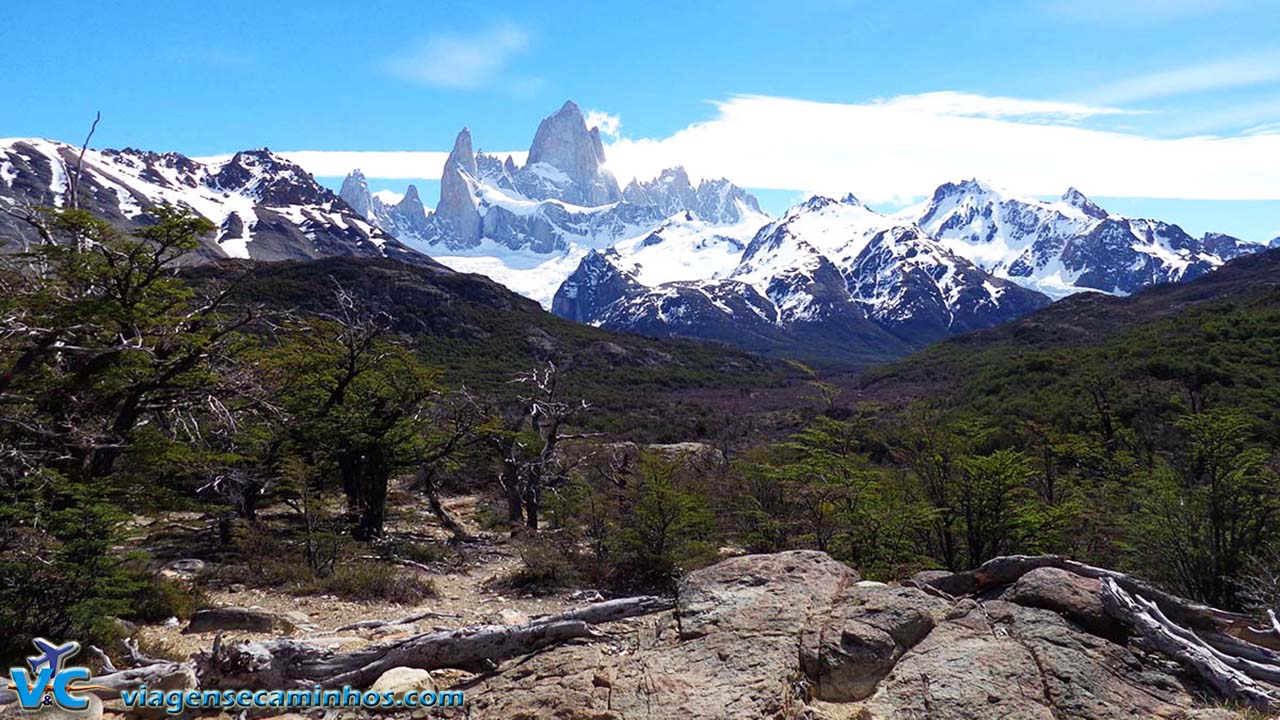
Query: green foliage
(1212, 508)
(372, 582)
(660, 527)
(58, 575)
(354, 397)
(1151, 446)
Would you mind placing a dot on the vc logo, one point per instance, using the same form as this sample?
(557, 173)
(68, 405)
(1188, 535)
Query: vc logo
(49, 680)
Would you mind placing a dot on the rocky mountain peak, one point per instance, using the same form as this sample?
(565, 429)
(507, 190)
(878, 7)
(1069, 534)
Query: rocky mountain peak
(457, 207)
(267, 177)
(411, 204)
(970, 187)
(563, 142)
(355, 191)
(462, 156)
(1078, 200)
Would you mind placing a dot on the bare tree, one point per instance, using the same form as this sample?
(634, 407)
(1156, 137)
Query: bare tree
(529, 468)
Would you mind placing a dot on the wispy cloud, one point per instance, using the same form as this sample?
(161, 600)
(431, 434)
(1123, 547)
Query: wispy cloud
(900, 149)
(385, 165)
(961, 104)
(608, 123)
(1239, 71)
(461, 62)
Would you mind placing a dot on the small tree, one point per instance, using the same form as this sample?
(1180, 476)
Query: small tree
(996, 506)
(355, 398)
(659, 525)
(530, 461)
(1214, 507)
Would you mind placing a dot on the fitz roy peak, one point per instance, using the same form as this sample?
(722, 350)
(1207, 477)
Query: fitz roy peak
(527, 226)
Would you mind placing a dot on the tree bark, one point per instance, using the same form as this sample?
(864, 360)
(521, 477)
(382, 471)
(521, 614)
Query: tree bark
(1232, 677)
(287, 663)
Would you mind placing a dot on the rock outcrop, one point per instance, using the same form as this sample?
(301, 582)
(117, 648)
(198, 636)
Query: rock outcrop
(796, 635)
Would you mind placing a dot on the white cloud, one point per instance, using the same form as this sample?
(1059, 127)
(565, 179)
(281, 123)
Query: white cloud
(609, 124)
(1254, 69)
(902, 148)
(390, 165)
(899, 149)
(968, 104)
(462, 62)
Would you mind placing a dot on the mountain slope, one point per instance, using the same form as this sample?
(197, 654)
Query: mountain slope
(835, 279)
(1063, 247)
(481, 334)
(265, 207)
(1217, 336)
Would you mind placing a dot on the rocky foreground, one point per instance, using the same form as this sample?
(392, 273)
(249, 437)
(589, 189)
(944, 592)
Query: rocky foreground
(798, 635)
(793, 635)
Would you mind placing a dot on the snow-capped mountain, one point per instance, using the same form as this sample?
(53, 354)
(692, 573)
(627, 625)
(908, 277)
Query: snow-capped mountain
(529, 226)
(864, 283)
(264, 207)
(714, 201)
(402, 216)
(1069, 245)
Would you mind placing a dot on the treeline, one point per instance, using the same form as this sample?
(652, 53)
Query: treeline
(1155, 450)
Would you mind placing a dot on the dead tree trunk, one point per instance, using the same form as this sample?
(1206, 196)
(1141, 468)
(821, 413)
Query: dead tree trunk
(289, 663)
(1232, 677)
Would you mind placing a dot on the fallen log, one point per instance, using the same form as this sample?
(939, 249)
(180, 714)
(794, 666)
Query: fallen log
(286, 663)
(1231, 677)
(160, 676)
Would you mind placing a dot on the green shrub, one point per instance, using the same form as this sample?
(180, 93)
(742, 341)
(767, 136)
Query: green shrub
(367, 582)
(545, 566)
(157, 599)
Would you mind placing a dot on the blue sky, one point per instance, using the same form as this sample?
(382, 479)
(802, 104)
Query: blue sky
(1162, 104)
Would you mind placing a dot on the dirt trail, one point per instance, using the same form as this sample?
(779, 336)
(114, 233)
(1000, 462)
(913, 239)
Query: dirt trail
(465, 596)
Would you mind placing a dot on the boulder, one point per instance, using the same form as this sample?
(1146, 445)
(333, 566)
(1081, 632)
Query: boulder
(728, 651)
(1004, 660)
(948, 582)
(507, 616)
(186, 566)
(296, 617)
(1076, 598)
(796, 634)
(252, 619)
(869, 628)
(401, 680)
